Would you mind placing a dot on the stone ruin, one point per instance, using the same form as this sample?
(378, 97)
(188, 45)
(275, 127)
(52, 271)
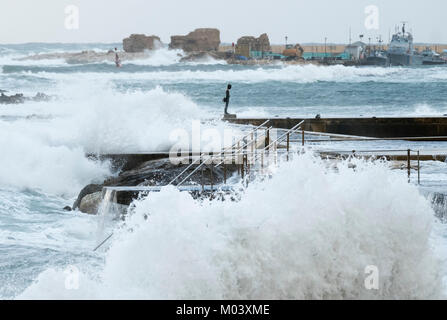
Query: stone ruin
(140, 42)
(205, 39)
(248, 43)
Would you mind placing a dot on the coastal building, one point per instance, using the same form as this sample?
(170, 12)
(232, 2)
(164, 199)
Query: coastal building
(356, 50)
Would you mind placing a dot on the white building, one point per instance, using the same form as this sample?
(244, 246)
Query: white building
(356, 50)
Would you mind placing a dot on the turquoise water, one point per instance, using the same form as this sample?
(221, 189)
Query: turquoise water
(97, 107)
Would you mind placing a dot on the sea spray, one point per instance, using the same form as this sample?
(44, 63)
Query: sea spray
(310, 232)
(82, 122)
(286, 73)
(159, 57)
(30, 159)
(282, 73)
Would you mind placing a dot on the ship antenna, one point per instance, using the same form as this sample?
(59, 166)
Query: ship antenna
(350, 36)
(403, 26)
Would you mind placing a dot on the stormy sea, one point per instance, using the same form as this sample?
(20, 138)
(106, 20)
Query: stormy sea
(306, 233)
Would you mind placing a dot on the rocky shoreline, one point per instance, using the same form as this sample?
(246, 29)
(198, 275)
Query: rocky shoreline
(85, 57)
(91, 56)
(88, 56)
(158, 172)
(20, 98)
(201, 44)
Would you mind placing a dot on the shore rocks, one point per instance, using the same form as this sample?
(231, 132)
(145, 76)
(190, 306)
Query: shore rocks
(204, 39)
(149, 173)
(91, 202)
(87, 56)
(13, 99)
(88, 189)
(203, 56)
(140, 42)
(20, 98)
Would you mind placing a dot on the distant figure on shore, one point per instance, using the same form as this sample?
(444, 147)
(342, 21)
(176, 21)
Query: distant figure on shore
(117, 59)
(227, 98)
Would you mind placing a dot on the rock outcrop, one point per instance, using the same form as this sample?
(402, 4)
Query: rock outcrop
(205, 39)
(13, 99)
(20, 98)
(88, 189)
(88, 56)
(91, 202)
(203, 56)
(140, 42)
(149, 173)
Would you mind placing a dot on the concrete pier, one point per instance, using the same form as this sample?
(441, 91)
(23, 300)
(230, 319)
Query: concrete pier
(432, 128)
(435, 155)
(125, 195)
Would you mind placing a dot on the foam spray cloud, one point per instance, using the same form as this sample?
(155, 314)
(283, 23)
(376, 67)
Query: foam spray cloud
(307, 233)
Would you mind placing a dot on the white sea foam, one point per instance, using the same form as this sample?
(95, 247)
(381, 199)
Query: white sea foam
(428, 110)
(45, 146)
(166, 57)
(299, 74)
(31, 158)
(14, 60)
(159, 57)
(308, 233)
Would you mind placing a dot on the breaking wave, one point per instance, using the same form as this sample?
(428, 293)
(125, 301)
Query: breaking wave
(298, 74)
(44, 145)
(307, 233)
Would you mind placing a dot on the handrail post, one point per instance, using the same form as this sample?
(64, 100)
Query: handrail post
(267, 139)
(225, 173)
(302, 137)
(275, 152)
(200, 166)
(233, 156)
(419, 170)
(238, 157)
(408, 164)
(288, 143)
(262, 159)
(246, 151)
(252, 146)
(211, 177)
(203, 186)
(248, 170)
(242, 168)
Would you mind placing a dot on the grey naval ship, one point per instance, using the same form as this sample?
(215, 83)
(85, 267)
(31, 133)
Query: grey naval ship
(401, 52)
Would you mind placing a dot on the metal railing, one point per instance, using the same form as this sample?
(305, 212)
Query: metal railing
(209, 157)
(281, 138)
(408, 152)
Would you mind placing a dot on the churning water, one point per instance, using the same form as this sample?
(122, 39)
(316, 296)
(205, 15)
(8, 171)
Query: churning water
(308, 232)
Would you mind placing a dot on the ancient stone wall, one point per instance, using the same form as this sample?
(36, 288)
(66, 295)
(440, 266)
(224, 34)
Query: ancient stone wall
(249, 43)
(205, 39)
(140, 42)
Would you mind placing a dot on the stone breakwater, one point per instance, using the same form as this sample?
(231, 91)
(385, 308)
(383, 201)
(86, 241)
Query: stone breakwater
(98, 57)
(88, 56)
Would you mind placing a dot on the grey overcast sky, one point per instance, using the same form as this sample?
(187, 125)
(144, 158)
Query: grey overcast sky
(301, 20)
